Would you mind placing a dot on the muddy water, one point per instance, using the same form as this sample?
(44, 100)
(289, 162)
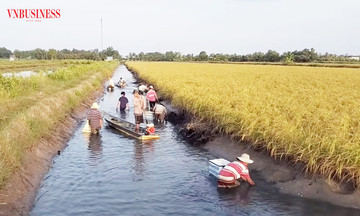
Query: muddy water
(112, 174)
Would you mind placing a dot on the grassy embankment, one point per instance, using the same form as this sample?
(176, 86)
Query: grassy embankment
(308, 114)
(31, 107)
(36, 65)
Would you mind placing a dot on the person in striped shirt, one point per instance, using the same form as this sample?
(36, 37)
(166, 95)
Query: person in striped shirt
(95, 119)
(229, 175)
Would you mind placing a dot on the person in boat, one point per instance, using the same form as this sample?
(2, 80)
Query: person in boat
(111, 85)
(95, 118)
(160, 113)
(229, 175)
(143, 89)
(123, 103)
(121, 82)
(139, 107)
(150, 129)
(151, 97)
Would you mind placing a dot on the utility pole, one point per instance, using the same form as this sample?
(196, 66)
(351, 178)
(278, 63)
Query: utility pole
(101, 35)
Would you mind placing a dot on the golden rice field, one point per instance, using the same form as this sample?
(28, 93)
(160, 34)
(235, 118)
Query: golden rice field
(308, 114)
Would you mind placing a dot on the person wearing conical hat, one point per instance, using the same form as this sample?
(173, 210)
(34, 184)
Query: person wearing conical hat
(95, 119)
(229, 175)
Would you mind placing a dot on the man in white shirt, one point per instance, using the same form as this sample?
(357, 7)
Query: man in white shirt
(160, 112)
(143, 88)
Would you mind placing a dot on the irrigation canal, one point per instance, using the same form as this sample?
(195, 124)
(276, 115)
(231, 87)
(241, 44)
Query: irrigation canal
(112, 174)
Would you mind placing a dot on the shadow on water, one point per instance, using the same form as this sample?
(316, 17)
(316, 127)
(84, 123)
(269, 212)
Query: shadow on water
(112, 174)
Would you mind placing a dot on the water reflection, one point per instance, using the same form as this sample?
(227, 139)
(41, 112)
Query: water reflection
(123, 114)
(95, 148)
(139, 165)
(141, 151)
(240, 195)
(24, 74)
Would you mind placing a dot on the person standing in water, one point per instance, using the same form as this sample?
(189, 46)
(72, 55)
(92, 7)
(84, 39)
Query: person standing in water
(151, 97)
(160, 113)
(123, 103)
(95, 119)
(139, 107)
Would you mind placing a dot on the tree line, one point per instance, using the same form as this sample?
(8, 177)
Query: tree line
(306, 55)
(53, 54)
(303, 56)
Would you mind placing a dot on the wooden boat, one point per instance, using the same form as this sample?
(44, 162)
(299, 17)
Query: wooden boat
(216, 165)
(110, 88)
(120, 86)
(128, 128)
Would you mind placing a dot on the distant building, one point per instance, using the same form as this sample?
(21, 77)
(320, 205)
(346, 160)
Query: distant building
(354, 57)
(12, 58)
(109, 58)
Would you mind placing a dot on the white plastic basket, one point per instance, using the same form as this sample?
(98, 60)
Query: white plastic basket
(87, 128)
(215, 165)
(149, 116)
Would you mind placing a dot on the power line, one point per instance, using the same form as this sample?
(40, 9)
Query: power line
(101, 35)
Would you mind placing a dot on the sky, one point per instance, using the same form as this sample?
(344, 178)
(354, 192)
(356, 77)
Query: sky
(187, 26)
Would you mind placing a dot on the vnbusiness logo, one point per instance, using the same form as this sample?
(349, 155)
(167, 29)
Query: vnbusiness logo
(34, 14)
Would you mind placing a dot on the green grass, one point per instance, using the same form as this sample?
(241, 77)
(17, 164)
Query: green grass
(37, 65)
(31, 107)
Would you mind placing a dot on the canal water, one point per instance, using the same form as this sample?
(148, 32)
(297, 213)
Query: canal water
(112, 174)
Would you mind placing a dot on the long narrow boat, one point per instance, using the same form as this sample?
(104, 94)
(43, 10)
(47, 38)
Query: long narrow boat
(127, 128)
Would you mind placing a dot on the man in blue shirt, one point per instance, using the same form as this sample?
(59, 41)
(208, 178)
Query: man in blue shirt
(123, 103)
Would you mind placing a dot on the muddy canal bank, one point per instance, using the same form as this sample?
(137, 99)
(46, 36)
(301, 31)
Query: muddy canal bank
(287, 177)
(17, 197)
